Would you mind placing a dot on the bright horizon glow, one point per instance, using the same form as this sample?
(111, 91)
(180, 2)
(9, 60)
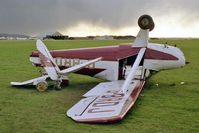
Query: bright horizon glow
(83, 29)
(169, 28)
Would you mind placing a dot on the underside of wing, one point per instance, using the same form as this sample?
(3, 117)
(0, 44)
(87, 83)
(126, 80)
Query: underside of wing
(104, 103)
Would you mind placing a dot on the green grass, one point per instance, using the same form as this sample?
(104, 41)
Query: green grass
(166, 108)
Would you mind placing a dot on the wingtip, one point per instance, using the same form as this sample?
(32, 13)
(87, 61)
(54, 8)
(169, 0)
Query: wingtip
(14, 83)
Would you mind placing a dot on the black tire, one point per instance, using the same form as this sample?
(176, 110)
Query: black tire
(146, 22)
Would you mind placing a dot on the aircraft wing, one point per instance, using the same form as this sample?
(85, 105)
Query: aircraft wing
(78, 67)
(104, 103)
(34, 81)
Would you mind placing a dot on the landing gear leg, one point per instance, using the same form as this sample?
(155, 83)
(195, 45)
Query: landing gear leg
(57, 85)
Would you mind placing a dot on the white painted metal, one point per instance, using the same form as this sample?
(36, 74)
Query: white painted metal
(103, 87)
(111, 70)
(141, 38)
(51, 72)
(79, 108)
(34, 81)
(157, 65)
(133, 70)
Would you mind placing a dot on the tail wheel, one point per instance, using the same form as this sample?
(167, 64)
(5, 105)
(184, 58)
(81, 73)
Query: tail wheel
(42, 86)
(146, 22)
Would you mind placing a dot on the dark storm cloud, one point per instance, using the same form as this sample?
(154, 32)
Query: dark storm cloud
(36, 16)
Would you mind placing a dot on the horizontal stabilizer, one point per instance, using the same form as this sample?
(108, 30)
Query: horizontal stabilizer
(34, 81)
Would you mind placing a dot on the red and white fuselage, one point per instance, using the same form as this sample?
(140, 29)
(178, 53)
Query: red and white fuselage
(157, 57)
(110, 101)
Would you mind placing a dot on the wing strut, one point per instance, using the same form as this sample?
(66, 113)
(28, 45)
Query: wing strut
(133, 70)
(80, 66)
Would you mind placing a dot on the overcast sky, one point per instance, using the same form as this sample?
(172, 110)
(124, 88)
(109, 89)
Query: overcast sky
(86, 17)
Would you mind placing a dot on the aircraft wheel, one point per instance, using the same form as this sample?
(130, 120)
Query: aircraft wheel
(42, 86)
(146, 22)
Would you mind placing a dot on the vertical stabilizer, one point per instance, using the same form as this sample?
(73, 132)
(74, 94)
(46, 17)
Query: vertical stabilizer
(142, 38)
(47, 60)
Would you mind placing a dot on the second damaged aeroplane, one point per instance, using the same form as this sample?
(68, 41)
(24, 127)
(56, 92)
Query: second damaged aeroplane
(124, 66)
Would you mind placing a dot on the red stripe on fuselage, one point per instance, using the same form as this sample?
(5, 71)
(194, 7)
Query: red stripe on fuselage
(158, 55)
(111, 53)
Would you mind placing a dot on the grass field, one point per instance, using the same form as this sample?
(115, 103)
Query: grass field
(168, 108)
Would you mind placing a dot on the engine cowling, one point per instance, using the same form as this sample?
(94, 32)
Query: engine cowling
(146, 22)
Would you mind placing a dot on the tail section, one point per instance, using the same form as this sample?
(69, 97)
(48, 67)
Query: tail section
(47, 60)
(52, 68)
